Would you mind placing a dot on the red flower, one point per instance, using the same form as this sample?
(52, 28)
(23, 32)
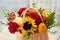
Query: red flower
(44, 18)
(36, 17)
(21, 10)
(12, 27)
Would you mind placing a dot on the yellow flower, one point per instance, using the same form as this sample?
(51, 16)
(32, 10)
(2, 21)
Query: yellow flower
(45, 13)
(30, 20)
(28, 24)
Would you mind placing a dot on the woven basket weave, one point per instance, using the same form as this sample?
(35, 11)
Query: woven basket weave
(35, 36)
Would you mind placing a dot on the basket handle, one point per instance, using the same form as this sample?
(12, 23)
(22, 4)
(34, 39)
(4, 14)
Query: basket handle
(24, 12)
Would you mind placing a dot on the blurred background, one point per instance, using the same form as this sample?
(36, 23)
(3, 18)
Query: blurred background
(54, 5)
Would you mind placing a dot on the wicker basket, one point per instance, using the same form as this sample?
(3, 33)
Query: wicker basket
(35, 36)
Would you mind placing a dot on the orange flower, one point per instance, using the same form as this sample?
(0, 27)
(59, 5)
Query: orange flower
(42, 27)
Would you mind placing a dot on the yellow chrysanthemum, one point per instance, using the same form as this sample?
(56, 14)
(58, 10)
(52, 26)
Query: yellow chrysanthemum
(28, 24)
(45, 13)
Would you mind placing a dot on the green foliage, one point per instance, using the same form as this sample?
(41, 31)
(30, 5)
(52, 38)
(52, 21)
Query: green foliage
(52, 32)
(5, 12)
(34, 5)
(27, 34)
(50, 21)
(3, 23)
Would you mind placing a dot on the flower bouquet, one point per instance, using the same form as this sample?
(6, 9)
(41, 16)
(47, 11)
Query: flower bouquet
(31, 23)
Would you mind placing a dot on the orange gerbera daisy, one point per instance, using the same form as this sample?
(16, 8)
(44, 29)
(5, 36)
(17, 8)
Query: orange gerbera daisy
(42, 27)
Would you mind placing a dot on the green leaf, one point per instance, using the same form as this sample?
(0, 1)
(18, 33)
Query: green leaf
(50, 21)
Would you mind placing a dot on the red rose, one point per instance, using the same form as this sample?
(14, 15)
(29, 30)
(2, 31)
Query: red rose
(12, 27)
(21, 10)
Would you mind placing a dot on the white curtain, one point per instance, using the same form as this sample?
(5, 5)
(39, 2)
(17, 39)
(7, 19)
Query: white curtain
(13, 4)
